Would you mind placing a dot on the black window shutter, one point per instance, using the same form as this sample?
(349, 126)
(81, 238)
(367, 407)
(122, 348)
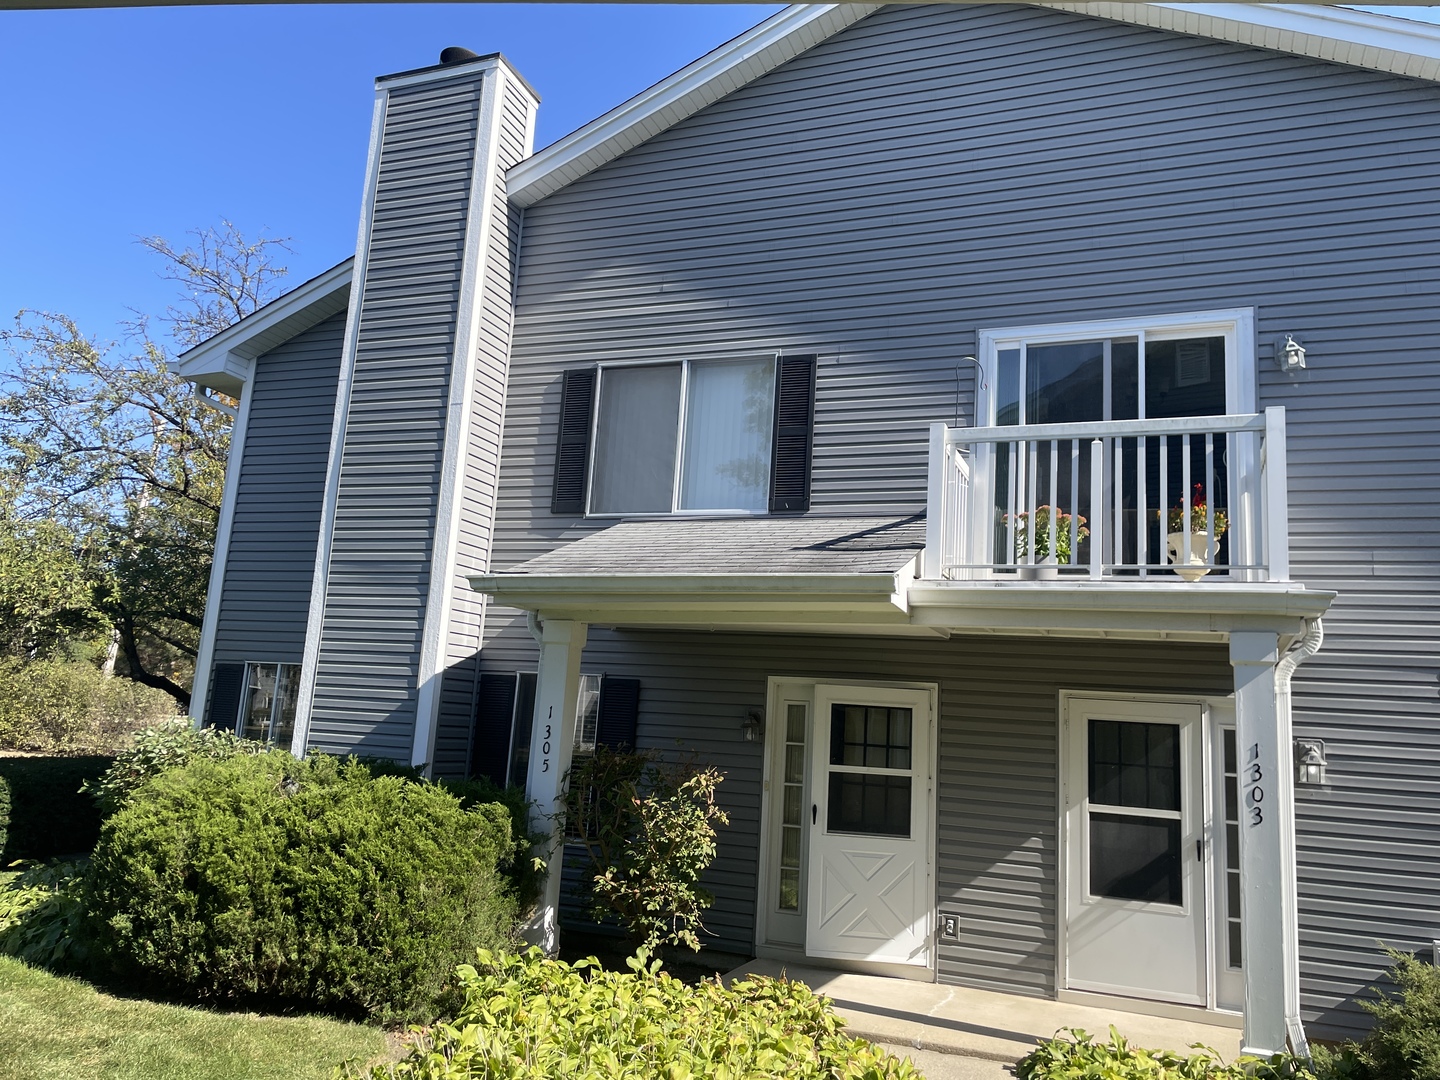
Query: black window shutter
(794, 432)
(494, 711)
(618, 712)
(226, 691)
(572, 453)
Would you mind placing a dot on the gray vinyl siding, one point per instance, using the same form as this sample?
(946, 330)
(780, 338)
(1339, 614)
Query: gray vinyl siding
(384, 533)
(996, 780)
(937, 169)
(270, 559)
(451, 755)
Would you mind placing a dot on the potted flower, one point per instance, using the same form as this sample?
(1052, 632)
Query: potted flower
(1202, 520)
(1041, 526)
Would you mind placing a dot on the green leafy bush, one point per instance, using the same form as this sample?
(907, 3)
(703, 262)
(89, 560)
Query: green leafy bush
(48, 705)
(165, 746)
(42, 915)
(1405, 1042)
(646, 827)
(42, 810)
(528, 1016)
(1075, 1055)
(264, 878)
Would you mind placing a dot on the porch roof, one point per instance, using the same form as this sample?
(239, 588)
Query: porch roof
(811, 573)
(747, 545)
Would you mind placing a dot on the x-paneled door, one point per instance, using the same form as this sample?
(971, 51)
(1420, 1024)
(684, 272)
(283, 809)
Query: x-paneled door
(1135, 921)
(871, 891)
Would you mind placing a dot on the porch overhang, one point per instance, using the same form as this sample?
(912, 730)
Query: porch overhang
(816, 603)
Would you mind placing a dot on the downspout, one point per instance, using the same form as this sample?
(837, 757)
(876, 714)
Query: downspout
(1301, 649)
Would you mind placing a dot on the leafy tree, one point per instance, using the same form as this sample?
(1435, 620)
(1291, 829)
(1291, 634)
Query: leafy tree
(102, 439)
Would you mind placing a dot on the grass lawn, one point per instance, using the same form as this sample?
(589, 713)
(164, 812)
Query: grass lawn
(53, 1028)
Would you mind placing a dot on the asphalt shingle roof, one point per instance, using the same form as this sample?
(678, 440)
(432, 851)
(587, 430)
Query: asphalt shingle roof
(759, 545)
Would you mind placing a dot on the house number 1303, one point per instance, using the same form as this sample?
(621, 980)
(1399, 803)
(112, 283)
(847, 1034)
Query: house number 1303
(1254, 790)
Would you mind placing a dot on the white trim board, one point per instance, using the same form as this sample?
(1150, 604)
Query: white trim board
(205, 654)
(225, 362)
(1338, 35)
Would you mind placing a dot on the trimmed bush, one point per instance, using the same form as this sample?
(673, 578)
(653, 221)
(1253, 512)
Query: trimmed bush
(69, 705)
(524, 872)
(165, 746)
(1405, 1042)
(528, 1016)
(306, 883)
(43, 812)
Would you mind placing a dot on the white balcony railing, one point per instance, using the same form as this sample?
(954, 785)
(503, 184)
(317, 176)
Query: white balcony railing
(1111, 500)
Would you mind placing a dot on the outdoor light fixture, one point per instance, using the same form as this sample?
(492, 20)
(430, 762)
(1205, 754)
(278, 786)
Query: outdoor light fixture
(753, 726)
(1290, 354)
(1309, 762)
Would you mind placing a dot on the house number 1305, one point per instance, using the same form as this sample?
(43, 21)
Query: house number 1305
(1254, 792)
(545, 745)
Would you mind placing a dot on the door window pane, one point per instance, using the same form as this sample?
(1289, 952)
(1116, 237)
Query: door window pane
(635, 438)
(792, 808)
(1185, 377)
(1135, 764)
(1135, 858)
(1232, 852)
(866, 803)
(728, 425)
(871, 737)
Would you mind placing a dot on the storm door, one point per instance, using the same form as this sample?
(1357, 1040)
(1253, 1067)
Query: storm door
(870, 894)
(1135, 856)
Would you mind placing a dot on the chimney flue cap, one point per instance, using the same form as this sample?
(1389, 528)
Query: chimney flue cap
(456, 54)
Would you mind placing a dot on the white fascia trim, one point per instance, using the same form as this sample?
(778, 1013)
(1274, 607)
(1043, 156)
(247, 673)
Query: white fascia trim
(716, 74)
(687, 595)
(435, 634)
(315, 620)
(1340, 35)
(225, 362)
(205, 654)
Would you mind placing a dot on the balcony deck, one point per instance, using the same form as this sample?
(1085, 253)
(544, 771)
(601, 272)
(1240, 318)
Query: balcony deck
(1194, 502)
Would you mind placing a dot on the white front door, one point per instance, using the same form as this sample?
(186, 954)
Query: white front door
(1135, 858)
(870, 895)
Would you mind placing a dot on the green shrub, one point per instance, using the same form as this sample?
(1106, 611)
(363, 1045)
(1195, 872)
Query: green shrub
(524, 872)
(528, 1016)
(69, 705)
(1075, 1055)
(300, 882)
(165, 746)
(42, 810)
(42, 916)
(1405, 1042)
(646, 828)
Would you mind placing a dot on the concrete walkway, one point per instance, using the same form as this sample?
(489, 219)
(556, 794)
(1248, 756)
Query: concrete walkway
(997, 1029)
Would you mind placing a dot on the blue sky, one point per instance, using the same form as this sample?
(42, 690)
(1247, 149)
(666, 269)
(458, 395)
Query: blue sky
(145, 121)
(141, 121)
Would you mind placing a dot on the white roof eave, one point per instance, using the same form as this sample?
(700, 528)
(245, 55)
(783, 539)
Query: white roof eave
(224, 362)
(1322, 32)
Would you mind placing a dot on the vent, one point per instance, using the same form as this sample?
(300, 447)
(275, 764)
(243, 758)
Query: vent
(1192, 363)
(455, 54)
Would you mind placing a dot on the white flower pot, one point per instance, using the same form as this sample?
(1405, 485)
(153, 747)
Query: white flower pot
(1199, 564)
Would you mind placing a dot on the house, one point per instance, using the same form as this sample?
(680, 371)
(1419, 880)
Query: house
(857, 409)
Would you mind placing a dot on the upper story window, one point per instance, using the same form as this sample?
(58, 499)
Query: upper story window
(1134, 369)
(688, 436)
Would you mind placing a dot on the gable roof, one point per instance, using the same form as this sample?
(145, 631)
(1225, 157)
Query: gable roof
(1338, 35)
(223, 362)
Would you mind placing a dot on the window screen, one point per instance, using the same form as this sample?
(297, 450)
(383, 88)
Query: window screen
(635, 440)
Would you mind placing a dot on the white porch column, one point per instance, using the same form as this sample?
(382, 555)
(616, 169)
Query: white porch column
(1270, 940)
(552, 738)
